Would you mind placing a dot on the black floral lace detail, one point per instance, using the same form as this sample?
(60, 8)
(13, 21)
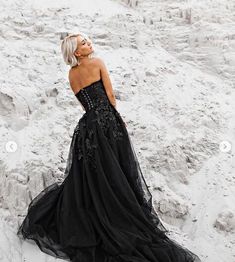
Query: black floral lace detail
(99, 112)
(90, 147)
(78, 143)
(85, 148)
(110, 120)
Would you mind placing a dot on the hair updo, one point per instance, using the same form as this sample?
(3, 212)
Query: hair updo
(69, 46)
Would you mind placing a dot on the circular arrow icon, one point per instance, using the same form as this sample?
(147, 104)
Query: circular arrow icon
(11, 146)
(225, 146)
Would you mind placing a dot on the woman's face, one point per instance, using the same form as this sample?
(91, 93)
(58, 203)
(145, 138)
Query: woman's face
(84, 46)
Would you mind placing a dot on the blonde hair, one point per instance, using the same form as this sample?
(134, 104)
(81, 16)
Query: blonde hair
(69, 46)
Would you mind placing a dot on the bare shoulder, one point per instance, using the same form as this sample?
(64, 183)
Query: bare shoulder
(74, 71)
(84, 74)
(71, 76)
(71, 73)
(103, 70)
(98, 61)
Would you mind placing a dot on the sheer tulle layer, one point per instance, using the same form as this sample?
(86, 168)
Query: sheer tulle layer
(102, 211)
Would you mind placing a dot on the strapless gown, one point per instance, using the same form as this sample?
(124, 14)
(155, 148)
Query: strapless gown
(102, 210)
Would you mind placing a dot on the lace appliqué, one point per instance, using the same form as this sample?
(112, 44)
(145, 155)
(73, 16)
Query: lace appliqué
(78, 143)
(109, 120)
(90, 147)
(85, 146)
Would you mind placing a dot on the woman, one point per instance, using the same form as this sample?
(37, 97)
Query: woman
(102, 211)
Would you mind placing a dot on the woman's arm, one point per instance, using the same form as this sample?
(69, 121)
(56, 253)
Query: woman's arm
(106, 81)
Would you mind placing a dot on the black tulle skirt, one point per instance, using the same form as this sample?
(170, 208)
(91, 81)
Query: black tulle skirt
(102, 211)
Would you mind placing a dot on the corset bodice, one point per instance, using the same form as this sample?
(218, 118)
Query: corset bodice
(93, 96)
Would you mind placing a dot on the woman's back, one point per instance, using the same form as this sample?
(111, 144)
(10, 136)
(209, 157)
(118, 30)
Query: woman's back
(84, 75)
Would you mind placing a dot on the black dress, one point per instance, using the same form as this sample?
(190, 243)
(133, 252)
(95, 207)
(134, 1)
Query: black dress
(102, 211)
